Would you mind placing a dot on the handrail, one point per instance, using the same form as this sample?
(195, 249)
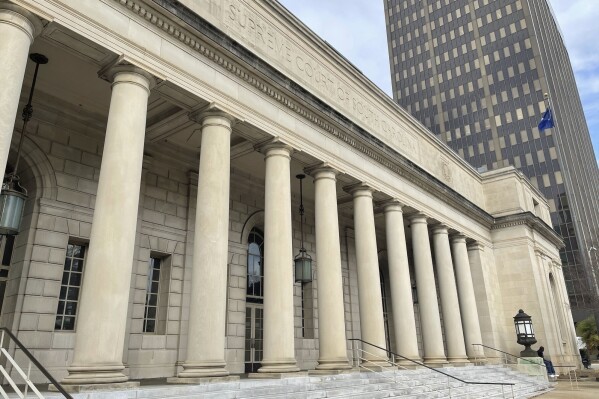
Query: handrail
(507, 353)
(37, 364)
(431, 368)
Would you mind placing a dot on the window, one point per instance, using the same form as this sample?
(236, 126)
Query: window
(151, 310)
(72, 276)
(157, 294)
(255, 270)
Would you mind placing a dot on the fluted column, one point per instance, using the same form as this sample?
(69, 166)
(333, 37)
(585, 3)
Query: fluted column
(467, 299)
(427, 294)
(279, 345)
(454, 334)
(18, 27)
(406, 339)
(207, 308)
(372, 324)
(331, 312)
(102, 312)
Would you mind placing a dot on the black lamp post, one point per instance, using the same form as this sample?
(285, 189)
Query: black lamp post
(302, 261)
(13, 196)
(525, 333)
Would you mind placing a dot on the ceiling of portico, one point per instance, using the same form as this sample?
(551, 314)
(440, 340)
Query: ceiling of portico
(70, 80)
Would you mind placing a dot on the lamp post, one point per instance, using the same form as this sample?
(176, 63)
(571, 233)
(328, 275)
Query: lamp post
(302, 261)
(13, 195)
(525, 333)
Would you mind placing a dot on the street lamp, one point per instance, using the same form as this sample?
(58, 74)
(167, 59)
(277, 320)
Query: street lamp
(525, 333)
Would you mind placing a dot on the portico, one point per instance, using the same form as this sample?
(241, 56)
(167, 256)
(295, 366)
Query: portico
(187, 272)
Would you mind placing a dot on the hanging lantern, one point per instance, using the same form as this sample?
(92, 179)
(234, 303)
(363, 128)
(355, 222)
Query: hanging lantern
(13, 196)
(525, 333)
(12, 203)
(302, 261)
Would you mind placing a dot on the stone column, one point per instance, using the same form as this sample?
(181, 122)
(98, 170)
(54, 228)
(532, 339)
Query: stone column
(372, 324)
(102, 314)
(207, 308)
(450, 306)
(331, 312)
(279, 345)
(430, 321)
(467, 299)
(401, 288)
(18, 27)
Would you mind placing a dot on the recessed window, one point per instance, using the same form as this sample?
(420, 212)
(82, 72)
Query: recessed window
(72, 277)
(157, 294)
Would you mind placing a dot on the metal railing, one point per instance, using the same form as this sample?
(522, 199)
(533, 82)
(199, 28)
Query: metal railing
(360, 361)
(508, 356)
(24, 375)
(449, 376)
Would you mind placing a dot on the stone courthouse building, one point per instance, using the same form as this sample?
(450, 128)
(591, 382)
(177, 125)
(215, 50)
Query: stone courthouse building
(162, 219)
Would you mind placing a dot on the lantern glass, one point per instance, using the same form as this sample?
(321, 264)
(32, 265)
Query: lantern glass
(303, 268)
(12, 204)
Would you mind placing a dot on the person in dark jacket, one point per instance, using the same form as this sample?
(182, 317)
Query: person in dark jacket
(548, 363)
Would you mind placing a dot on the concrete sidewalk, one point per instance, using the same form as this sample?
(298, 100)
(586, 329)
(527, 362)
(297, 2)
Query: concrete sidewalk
(588, 389)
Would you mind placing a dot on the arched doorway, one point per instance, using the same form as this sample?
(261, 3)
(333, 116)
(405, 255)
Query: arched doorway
(254, 310)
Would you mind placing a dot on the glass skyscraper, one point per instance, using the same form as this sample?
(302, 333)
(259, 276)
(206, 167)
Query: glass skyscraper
(475, 73)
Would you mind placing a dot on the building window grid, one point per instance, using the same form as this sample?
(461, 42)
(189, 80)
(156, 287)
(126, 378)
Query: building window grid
(152, 296)
(72, 277)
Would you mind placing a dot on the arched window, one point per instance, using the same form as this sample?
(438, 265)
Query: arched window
(255, 269)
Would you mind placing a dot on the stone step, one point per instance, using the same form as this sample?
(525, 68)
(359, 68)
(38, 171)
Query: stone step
(419, 383)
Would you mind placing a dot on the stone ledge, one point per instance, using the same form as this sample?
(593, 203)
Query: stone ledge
(201, 380)
(76, 388)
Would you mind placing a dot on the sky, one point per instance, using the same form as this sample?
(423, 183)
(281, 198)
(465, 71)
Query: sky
(356, 28)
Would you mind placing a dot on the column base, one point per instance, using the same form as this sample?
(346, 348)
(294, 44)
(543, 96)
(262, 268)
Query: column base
(279, 366)
(333, 364)
(478, 360)
(91, 375)
(435, 361)
(203, 370)
(201, 380)
(409, 364)
(458, 361)
(276, 376)
(76, 388)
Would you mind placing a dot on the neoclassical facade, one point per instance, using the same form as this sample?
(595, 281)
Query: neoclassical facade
(162, 220)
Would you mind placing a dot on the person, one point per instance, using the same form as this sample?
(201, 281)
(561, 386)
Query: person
(548, 363)
(585, 358)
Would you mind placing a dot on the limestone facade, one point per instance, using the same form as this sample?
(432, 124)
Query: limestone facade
(171, 135)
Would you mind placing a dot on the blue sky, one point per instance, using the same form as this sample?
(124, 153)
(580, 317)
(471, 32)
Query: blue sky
(356, 28)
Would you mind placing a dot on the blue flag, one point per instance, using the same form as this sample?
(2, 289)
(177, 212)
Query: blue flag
(546, 120)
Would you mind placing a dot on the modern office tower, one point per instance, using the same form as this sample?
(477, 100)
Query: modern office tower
(475, 73)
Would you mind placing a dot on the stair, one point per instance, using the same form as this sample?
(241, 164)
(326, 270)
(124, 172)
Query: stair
(407, 384)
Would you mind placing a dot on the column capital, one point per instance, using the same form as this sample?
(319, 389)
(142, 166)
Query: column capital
(458, 238)
(360, 189)
(475, 246)
(392, 205)
(440, 228)
(122, 72)
(418, 218)
(213, 115)
(322, 171)
(20, 18)
(273, 147)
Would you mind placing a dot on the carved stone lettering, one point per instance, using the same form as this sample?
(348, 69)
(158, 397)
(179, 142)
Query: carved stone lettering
(252, 29)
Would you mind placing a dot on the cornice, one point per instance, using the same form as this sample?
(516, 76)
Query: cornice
(285, 92)
(532, 221)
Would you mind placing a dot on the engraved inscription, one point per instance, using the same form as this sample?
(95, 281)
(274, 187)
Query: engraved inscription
(259, 34)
